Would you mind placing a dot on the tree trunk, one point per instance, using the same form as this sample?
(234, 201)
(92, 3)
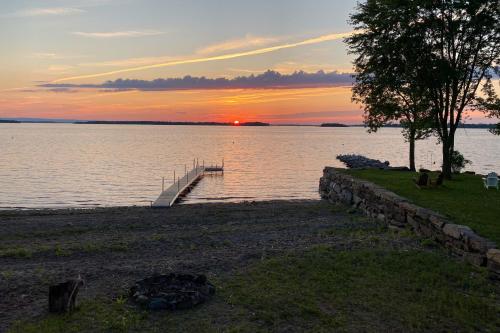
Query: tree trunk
(411, 140)
(446, 167)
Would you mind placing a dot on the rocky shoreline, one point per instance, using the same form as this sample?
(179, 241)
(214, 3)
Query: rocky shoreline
(354, 161)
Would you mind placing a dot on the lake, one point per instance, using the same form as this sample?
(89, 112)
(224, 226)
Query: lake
(69, 165)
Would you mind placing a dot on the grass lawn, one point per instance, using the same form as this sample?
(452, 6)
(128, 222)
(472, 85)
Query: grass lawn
(362, 290)
(464, 199)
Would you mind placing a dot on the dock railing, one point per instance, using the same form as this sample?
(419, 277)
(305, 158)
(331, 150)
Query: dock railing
(182, 186)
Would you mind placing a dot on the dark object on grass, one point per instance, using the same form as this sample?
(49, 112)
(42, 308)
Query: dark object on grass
(172, 291)
(422, 170)
(62, 297)
(422, 180)
(439, 180)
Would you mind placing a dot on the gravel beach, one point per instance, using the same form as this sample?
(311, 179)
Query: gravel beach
(113, 247)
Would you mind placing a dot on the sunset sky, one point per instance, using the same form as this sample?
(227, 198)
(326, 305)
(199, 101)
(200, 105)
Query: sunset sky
(58, 55)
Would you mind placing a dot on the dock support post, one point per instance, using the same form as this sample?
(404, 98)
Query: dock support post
(162, 184)
(174, 176)
(178, 184)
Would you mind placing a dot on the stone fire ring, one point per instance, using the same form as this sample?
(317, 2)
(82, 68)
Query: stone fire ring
(172, 291)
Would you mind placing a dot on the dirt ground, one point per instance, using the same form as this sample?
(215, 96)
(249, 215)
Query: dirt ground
(113, 247)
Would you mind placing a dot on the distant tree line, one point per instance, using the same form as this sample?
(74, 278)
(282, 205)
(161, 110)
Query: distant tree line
(333, 125)
(206, 123)
(425, 64)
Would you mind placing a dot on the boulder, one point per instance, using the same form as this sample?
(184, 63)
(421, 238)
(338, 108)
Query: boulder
(455, 230)
(493, 257)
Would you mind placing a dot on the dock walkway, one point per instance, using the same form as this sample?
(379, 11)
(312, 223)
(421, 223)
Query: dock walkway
(183, 185)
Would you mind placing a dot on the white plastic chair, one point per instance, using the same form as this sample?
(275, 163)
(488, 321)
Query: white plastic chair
(491, 180)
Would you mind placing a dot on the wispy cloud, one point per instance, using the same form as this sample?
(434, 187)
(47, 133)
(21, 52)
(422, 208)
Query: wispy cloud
(192, 60)
(127, 62)
(53, 11)
(59, 68)
(248, 41)
(118, 34)
(45, 55)
(53, 56)
(267, 80)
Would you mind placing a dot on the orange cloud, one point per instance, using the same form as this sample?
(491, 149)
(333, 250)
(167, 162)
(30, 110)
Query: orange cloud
(305, 105)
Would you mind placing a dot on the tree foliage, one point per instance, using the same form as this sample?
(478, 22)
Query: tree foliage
(387, 70)
(438, 56)
(462, 46)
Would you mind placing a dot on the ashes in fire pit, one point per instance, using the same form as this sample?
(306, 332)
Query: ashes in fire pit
(172, 291)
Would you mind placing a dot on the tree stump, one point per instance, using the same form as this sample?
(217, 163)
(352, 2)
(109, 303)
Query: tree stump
(62, 297)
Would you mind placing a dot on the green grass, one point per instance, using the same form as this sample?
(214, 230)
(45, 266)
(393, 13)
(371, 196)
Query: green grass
(368, 290)
(17, 252)
(323, 290)
(63, 250)
(464, 199)
(92, 316)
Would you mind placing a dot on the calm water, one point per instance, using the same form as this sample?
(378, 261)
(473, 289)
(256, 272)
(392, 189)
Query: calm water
(65, 165)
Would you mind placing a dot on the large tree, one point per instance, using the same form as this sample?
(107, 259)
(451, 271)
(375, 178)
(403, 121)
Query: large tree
(387, 70)
(462, 48)
(453, 46)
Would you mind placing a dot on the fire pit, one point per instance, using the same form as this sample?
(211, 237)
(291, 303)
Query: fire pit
(172, 291)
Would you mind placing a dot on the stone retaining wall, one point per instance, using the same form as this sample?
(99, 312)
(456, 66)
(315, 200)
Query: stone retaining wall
(398, 212)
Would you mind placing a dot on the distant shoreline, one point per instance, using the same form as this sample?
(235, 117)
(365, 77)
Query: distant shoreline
(183, 123)
(201, 123)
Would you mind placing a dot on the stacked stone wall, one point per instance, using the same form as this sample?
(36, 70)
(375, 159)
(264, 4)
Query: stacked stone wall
(386, 206)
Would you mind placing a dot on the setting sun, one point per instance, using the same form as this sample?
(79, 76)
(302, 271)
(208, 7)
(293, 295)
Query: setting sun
(236, 122)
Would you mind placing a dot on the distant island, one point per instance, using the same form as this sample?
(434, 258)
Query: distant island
(253, 123)
(2, 121)
(333, 125)
(206, 123)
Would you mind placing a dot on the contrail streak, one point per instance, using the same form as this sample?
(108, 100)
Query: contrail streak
(310, 41)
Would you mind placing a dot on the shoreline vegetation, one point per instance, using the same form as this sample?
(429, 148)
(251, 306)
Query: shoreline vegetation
(303, 265)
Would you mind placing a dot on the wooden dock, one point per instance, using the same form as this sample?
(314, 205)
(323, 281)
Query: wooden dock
(182, 186)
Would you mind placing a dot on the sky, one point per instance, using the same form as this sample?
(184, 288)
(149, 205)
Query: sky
(186, 60)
